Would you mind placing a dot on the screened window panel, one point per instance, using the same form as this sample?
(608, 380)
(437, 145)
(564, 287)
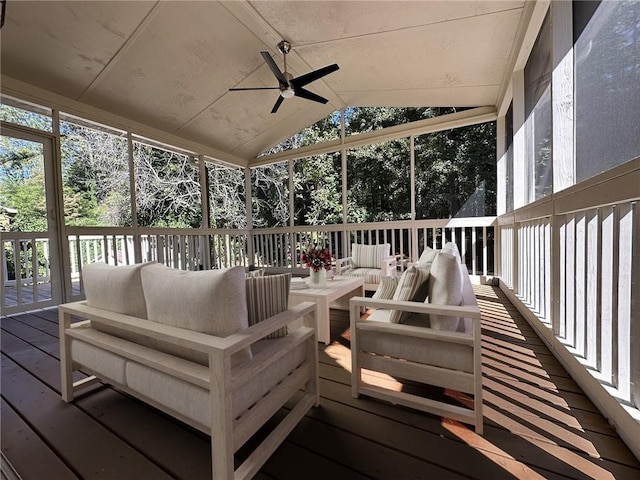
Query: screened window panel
(26, 114)
(95, 175)
(508, 142)
(607, 85)
(270, 195)
(378, 182)
(227, 207)
(455, 172)
(317, 183)
(167, 188)
(538, 123)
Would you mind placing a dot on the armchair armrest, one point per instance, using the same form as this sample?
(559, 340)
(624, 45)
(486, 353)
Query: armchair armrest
(415, 307)
(389, 266)
(343, 265)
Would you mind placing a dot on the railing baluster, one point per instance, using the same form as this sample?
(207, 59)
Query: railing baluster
(581, 277)
(625, 297)
(592, 287)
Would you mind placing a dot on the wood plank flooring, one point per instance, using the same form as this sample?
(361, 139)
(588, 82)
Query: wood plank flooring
(538, 423)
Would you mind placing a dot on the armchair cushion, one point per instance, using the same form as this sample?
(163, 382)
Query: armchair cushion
(266, 297)
(413, 286)
(370, 275)
(369, 256)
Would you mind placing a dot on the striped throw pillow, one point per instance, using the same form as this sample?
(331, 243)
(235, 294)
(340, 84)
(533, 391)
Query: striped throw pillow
(369, 256)
(386, 288)
(413, 287)
(266, 297)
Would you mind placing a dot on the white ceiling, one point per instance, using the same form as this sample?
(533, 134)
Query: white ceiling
(169, 64)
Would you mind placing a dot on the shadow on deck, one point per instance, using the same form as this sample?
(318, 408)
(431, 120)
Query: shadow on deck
(538, 423)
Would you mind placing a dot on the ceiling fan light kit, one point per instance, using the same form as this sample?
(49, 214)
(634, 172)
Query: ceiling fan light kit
(289, 86)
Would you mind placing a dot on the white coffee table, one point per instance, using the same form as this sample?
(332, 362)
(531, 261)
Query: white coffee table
(338, 289)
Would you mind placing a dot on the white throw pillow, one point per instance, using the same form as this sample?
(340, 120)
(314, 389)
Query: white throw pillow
(445, 288)
(413, 286)
(116, 289)
(369, 256)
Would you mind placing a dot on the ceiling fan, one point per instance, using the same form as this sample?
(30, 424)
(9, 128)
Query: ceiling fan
(288, 85)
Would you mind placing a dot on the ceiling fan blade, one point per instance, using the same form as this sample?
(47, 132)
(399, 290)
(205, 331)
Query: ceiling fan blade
(274, 68)
(302, 80)
(277, 104)
(304, 93)
(237, 89)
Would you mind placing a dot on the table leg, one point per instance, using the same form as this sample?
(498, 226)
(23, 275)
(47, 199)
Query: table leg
(324, 323)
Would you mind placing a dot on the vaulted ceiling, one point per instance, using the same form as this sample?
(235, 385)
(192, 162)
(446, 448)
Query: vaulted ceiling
(169, 64)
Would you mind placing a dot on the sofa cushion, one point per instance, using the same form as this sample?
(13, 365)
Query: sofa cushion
(266, 297)
(369, 256)
(116, 289)
(207, 301)
(386, 288)
(413, 286)
(194, 402)
(445, 288)
(107, 365)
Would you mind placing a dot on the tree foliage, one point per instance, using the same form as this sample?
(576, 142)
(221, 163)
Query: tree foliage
(167, 188)
(226, 197)
(454, 175)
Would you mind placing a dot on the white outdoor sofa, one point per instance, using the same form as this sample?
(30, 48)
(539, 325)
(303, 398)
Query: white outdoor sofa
(435, 342)
(370, 262)
(181, 342)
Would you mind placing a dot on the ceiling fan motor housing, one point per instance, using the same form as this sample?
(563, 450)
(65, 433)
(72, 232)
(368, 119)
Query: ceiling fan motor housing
(284, 47)
(287, 91)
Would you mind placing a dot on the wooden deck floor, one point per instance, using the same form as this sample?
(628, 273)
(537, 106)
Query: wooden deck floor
(538, 423)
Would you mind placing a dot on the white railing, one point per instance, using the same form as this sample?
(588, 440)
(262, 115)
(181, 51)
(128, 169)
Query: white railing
(186, 249)
(112, 248)
(280, 247)
(25, 269)
(276, 248)
(196, 249)
(573, 261)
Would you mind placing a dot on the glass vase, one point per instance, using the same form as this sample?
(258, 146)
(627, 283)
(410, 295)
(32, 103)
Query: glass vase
(318, 279)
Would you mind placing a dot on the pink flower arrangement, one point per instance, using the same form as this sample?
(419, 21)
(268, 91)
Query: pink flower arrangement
(317, 257)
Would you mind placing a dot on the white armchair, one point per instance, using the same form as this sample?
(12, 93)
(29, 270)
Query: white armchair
(435, 342)
(369, 262)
